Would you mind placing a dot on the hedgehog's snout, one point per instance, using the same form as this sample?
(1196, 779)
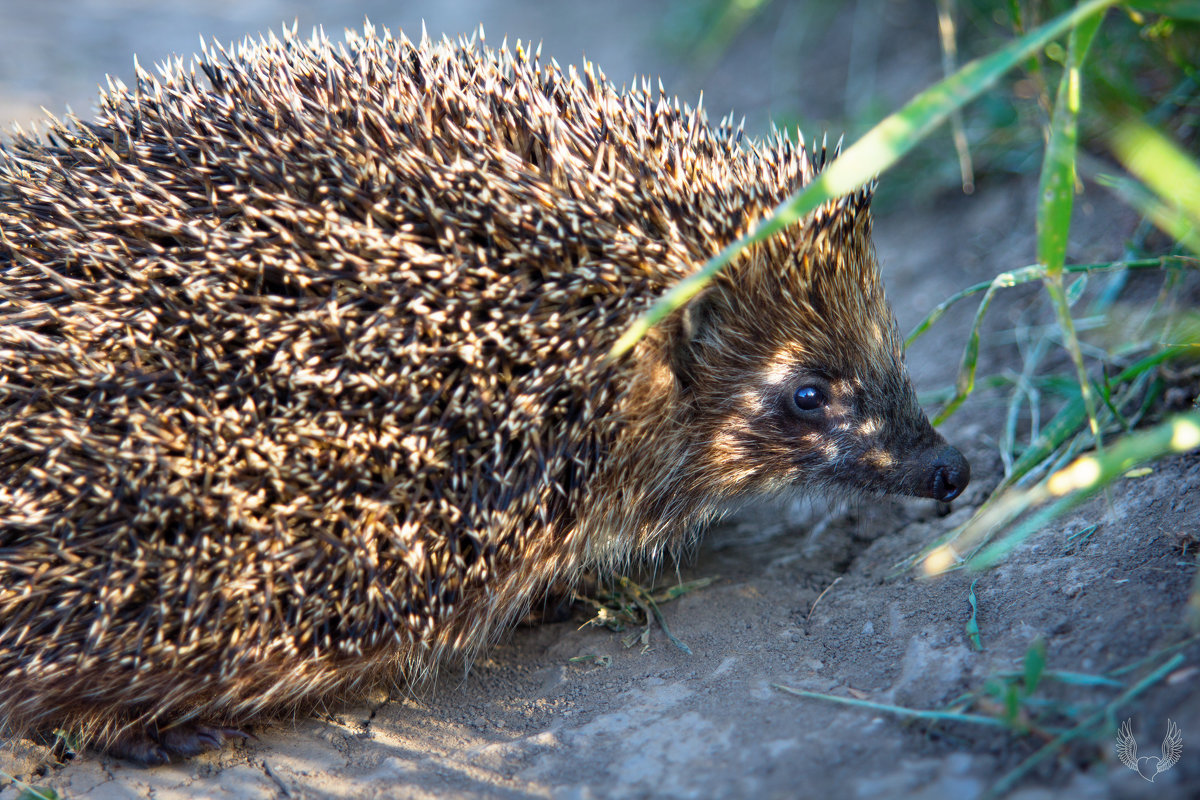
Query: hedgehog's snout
(949, 473)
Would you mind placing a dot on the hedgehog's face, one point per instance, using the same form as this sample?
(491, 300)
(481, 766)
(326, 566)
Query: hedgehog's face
(825, 422)
(805, 393)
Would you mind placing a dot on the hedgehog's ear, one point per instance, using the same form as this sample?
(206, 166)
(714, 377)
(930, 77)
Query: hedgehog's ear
(696, 326)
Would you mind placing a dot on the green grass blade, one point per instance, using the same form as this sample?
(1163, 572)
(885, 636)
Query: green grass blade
(1069, 487)
(1033, 272)
(1160, 163)
(1081, 679)
(1056, 190)
(1168, 171)
(881, 147)
(29, 792)
(1071, 416)
(1058, 494)
(973, 633)
(946, 31)
(1167, 218)
(913, 713)
(1058, 443)
(1056, 201)
(965, 383)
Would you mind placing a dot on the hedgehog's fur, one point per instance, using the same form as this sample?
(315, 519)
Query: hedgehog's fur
(303, 375)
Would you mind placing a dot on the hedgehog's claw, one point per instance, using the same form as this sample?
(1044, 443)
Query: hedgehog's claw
(153, 747)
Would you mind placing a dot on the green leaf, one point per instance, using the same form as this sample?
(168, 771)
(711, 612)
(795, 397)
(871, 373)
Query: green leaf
(1035, 663)
(1012, 706)
(1075, 290)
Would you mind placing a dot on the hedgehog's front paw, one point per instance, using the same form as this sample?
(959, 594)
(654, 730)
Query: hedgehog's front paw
(152, 747)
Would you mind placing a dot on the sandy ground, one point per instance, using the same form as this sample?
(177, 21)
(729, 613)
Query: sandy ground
(528, 721)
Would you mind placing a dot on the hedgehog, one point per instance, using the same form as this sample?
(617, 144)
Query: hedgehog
(305, 372)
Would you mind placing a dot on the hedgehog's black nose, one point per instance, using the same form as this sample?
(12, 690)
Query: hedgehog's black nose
(949, 474)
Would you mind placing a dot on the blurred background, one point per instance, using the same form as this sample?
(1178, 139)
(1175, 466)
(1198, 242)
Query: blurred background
(823, 65)
(753, 57)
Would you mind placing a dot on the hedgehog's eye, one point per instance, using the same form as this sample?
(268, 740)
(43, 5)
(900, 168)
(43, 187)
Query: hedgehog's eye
(808, 398)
